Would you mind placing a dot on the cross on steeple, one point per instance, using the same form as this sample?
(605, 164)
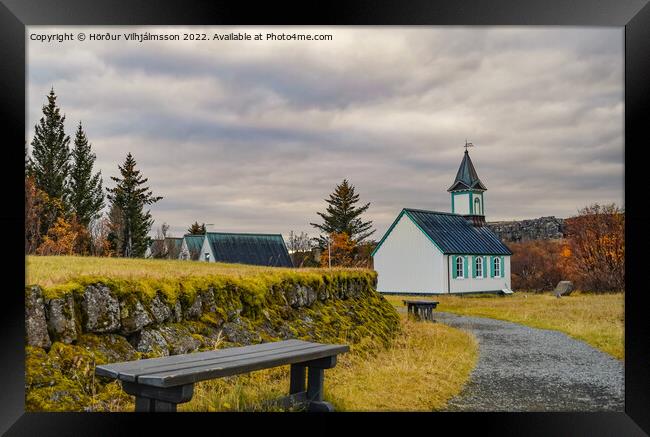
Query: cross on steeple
(468, 144)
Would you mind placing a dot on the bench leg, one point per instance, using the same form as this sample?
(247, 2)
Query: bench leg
(315, 380)
(315, 391)
(297, 383)
(143, 404)
(164, 407)
(157, 399)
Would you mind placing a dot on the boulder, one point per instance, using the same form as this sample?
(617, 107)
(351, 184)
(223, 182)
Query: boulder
(208, 304)
(193, 311)
(150, 340)
(114, 347)
(61, 322)
(159, 309)
(235, 332)
(179, 339)
(564, 288)
(100, 309)
(35, 321)
(178, 312)
(133, 315)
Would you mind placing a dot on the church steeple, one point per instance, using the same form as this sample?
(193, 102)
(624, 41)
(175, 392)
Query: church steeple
(467, 189)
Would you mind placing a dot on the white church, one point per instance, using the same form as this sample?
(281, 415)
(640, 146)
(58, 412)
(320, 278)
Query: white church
(431, 252)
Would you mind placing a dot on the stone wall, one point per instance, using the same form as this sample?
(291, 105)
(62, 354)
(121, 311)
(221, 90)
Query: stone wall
(543, 228)
(100, 322)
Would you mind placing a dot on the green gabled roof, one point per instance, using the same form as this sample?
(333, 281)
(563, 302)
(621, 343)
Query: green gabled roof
(467, 178)
(452, 233)
(256, 249)
(194, 244)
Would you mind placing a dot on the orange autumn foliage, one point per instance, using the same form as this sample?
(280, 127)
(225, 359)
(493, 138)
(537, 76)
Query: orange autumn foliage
(592, 255)
(596, 240)
(64, 238)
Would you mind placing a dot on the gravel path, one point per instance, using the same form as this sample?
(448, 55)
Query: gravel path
(527, 369)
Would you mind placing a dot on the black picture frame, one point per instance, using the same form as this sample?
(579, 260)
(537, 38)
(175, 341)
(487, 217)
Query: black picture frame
(634, 15)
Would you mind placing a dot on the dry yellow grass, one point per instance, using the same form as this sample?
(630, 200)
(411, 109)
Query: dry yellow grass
(51, 270)
(428, 364)
(597, 319)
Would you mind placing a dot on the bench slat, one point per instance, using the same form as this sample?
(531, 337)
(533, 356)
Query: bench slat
(218, 360)
(113, 370)
(248, 364)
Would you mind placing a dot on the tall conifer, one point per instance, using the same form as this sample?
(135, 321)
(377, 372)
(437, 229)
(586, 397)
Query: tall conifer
(86, 194)
(130, 196)
(342, 216)
(50, 164)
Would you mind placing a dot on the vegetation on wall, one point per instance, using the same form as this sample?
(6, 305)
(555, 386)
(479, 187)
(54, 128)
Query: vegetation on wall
(93, 320)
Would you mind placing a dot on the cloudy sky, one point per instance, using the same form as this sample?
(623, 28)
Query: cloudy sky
(253, 135)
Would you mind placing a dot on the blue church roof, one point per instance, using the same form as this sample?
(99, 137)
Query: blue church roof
(452, 233)
(256, 249)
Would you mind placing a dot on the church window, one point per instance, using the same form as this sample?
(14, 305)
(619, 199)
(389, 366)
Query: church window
(497, 267)
(477, 206)
(459, 266)
(479, 266)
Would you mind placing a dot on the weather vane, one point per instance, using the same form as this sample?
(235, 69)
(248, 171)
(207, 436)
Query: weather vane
(468, 144)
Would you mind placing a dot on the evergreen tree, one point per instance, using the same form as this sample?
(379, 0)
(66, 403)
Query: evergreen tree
(196, 229)
(130, 196)
(342, 216)
(86, 194)
(50, 164)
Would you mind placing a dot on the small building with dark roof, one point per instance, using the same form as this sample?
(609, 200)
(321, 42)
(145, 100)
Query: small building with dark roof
(432, 252)
(191, 247)
(167, 248)
(241, 248)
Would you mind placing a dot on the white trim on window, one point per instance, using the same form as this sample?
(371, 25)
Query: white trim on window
(459, 268)
(478, 260)
(497, 267)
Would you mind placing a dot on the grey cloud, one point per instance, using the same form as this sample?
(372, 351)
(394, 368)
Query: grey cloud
(254, 137)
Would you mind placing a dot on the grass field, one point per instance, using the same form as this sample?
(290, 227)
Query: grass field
(51, 270)
(428, 364)
(597, 319)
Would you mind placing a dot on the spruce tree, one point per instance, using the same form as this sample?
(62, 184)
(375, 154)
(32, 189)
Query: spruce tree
(342, 216)
(86, 194)
(196, 229)
(49, 163)
(130, 196)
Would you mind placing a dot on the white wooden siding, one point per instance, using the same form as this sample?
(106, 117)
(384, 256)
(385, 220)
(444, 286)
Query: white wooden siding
(206, 248)
(408, 262)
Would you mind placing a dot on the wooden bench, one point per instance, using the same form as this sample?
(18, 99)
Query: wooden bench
(159, 384)
(421, 309)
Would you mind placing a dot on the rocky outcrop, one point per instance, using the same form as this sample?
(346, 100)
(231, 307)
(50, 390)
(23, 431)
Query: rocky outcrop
(543, 228)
